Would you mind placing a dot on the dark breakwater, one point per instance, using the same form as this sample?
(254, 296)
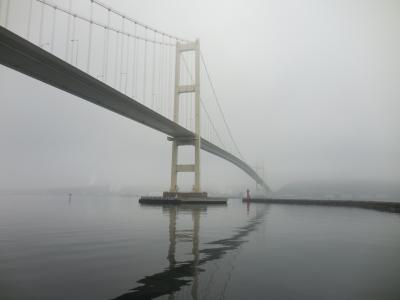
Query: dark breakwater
(388, 206)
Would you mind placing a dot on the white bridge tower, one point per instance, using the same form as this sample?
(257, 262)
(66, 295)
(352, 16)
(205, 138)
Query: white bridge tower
(176, 142)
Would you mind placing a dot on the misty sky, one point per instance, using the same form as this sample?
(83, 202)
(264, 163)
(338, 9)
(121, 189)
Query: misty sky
(310, 88)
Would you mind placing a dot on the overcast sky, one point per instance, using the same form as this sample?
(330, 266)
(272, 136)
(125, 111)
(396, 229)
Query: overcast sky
(310, 89)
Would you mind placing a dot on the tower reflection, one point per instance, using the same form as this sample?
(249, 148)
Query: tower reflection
(191, 235)
(186, 273)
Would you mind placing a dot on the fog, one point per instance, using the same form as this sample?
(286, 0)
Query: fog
(310, 89)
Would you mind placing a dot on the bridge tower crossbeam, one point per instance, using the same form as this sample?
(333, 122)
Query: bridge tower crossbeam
(180, 89)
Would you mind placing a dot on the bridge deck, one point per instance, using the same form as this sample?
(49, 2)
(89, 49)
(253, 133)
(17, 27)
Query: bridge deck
(23, 56)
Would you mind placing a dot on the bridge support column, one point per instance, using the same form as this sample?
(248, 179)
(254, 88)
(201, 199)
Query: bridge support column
(179, 141)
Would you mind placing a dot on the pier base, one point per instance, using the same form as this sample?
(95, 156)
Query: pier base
(183, 198)
(186, 195)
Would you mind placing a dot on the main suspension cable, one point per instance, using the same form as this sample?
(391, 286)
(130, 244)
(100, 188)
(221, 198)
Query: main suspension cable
(219, 106)
(202, 104)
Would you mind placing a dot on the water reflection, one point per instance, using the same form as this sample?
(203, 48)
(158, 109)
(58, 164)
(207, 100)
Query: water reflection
(183, 273)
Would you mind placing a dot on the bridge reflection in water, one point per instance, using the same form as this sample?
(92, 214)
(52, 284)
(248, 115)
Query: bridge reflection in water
(186, 273)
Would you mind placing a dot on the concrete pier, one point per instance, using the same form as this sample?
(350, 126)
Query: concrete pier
(377, 205)
(183, 198)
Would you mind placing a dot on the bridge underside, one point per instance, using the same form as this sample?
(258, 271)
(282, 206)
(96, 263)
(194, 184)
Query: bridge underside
(27, 58)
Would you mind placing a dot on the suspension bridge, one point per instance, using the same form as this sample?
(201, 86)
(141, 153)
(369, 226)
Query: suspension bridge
(103, 56)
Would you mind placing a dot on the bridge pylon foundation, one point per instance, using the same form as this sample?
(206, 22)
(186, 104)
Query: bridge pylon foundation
(177, 198)
(186, 195)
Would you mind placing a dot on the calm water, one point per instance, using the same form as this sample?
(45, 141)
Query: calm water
(113, 248)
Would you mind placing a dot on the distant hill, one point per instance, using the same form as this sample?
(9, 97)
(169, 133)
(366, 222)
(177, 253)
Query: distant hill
(341, 190)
